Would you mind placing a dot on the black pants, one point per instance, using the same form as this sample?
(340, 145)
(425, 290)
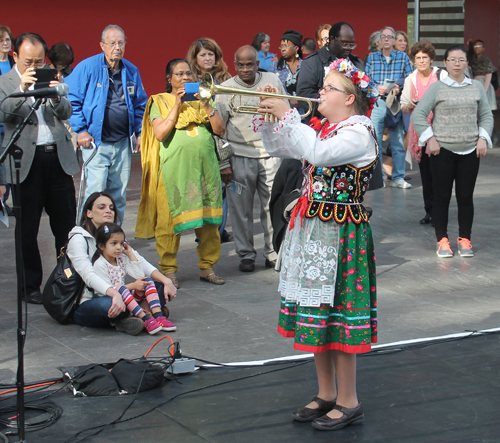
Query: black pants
(426, 177)
(448, 167)
(47, 187)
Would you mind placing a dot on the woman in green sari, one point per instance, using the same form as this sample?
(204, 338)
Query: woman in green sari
(181, 183)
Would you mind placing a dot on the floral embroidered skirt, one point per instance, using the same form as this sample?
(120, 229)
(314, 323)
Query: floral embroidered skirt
(350, 325)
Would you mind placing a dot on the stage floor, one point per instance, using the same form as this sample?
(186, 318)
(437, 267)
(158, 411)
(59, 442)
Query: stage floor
(443, 392)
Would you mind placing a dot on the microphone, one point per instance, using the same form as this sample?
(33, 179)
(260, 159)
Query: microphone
(61, 89)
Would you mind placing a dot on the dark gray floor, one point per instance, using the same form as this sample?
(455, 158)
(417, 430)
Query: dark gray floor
(419, 294)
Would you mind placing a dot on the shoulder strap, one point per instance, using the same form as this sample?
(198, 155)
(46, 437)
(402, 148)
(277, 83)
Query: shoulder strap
(69, 239)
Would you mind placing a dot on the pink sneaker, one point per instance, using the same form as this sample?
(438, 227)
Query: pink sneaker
(166, 324)
(152, 326)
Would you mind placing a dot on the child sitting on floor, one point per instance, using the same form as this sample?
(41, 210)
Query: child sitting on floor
(113, 259)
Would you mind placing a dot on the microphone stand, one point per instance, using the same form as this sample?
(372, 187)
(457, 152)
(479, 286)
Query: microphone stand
(17, 153)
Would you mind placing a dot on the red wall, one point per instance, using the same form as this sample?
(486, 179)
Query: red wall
(158, 31)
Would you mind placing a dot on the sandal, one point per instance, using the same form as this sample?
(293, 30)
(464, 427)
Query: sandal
(213, 278)
(175, 280)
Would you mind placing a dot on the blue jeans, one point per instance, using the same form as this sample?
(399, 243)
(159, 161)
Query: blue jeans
(94, 313)
(398, 149)
(109, 171)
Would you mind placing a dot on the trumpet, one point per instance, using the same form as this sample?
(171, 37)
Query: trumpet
(209, 89)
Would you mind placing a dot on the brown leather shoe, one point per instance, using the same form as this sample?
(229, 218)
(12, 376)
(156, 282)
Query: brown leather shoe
(352, 416)
(308, 414)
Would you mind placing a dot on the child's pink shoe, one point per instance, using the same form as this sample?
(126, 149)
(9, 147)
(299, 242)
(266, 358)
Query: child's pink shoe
(152, 326)
(166, 324)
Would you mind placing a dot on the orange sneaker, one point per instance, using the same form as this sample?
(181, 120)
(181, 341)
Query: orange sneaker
(443, 248)
(464, 247)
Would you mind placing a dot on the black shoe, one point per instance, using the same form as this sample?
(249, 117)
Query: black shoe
(426, 220)
(308, 414)
(226, 237)
(247, 265)
(270, 263)
(352, 416)
(35, 298)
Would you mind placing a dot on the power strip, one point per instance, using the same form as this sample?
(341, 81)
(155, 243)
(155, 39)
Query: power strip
(182, 366)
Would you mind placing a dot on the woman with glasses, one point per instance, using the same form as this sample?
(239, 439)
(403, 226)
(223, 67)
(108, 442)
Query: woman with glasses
(483, 70)
(458, 137)
(262, 43)
(327, 279)
(422, 55)
(288, 66)
(181, 184)
(322, 35)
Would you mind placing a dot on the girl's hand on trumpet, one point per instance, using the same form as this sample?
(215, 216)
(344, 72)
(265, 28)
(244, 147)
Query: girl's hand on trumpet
(271, 105)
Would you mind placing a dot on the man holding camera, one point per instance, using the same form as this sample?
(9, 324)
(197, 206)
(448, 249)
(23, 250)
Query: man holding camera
(48, 160)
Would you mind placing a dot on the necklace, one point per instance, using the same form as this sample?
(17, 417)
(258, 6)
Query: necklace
(425, 79)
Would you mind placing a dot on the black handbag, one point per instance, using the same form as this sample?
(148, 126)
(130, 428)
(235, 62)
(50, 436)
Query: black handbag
(64, 288)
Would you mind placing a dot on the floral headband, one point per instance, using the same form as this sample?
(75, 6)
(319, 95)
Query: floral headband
(358, 77)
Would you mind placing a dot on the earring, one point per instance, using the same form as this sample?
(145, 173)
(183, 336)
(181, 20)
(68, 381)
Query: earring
(297, 55)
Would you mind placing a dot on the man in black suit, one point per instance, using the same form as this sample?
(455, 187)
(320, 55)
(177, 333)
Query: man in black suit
(48, 160)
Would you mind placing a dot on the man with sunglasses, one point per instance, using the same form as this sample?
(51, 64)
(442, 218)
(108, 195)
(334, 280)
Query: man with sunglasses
(389, 64)
(108, 105)
(48, 160)
(312, 71)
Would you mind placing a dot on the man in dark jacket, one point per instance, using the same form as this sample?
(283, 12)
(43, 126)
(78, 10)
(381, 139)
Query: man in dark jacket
(312, 71)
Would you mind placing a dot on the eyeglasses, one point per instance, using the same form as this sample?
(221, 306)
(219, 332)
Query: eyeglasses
(5, 40)
(121, 45)
(325, 39)
(456, 60)
(328, 88)
(422, 59)
(34, 63)
(346, 45)
(387, 37)
(182, 74)
(476, 46)
(286, 46)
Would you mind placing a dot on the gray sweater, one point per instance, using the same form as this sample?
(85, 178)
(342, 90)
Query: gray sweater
(239, 127)
(459, 112)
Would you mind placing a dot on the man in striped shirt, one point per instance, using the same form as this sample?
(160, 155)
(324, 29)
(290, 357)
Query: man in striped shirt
(389, 65)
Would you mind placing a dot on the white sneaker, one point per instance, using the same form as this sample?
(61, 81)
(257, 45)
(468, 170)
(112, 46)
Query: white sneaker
(400, 184)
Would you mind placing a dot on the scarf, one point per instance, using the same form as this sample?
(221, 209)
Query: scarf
(191, 114)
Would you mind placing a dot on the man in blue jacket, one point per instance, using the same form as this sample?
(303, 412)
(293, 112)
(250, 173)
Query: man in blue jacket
(108, 104)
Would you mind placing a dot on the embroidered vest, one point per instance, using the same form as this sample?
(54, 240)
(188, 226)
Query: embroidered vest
(337, 192)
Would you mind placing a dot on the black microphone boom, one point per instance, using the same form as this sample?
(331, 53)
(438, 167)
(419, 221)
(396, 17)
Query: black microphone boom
(53, 92)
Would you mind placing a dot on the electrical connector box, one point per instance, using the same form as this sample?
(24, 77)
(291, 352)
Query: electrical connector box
(182, 366)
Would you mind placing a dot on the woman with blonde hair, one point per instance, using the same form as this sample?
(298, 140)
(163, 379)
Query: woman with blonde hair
(322, 35)
(402, 42)
(204, 56)
(327, 280)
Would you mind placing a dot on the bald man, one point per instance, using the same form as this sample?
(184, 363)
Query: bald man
(251, 165)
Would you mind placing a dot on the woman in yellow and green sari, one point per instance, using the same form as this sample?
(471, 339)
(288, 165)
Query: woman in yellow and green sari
(181, 183)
